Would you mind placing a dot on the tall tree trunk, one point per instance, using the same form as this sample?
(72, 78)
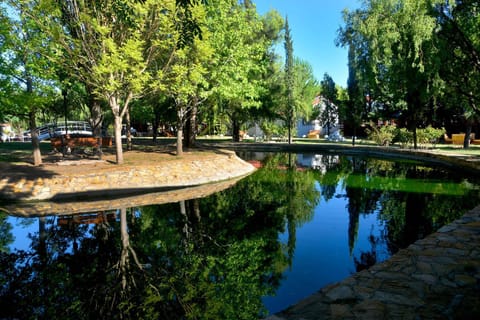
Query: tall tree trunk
(354, 134)
(191, 125)
(235, 129)
(96, 119)
(117, 125)
(468, 131)
(187, 130)
(155, 124)
(117, 118)
(37, 155)
(180, 122)
(128, 128)
(118, 139)
(289, 129)
(415, 138)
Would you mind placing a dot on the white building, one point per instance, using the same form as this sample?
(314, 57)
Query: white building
(320, 104)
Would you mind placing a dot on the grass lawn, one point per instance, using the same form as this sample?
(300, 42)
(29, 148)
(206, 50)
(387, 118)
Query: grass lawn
(21, 151)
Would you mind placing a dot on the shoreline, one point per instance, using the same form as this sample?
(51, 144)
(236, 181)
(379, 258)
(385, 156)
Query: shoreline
(92, 178)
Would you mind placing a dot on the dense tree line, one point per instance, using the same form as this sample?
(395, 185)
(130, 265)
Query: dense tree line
(186, 61)
(416, 61)
(183, 63)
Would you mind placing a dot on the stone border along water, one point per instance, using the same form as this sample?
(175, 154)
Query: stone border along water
(114, 182)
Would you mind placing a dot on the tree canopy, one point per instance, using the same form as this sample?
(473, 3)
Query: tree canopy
(408, 56)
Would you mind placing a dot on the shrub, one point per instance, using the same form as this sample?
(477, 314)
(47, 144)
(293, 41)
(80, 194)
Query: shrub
(429, 135)
(382, 136)
(426, 136)
(387, 135)
(404, 137)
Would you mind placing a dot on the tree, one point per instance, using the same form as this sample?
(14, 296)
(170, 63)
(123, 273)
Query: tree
(306, 87)
(359, 73)
(272, 98)
(400, 53)
(289, 81)
(328, 90)
(185, 79)
(29, 77)
(241, 58)
(111, 46)
(459, 41)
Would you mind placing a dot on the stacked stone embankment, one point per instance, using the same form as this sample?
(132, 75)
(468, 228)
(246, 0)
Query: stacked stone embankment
(110, 180)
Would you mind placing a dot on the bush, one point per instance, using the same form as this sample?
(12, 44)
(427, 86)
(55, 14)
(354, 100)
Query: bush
(404, 137)
(387, 135)
(426, 136)
(382, 136)
(431, 135)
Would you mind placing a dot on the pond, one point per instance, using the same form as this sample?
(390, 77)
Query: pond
(300, 222)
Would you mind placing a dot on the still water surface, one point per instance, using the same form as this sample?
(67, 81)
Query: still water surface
(297, 224)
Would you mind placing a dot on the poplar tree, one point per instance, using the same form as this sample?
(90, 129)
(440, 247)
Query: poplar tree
(289, 81)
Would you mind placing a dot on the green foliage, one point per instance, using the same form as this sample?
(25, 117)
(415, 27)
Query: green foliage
(388, 134)
(328, 90)
(6, 237)
(426, 137)
(271, 129)
(238, 64)
(404, 137)
(394, 56)
(459, 43)
(306, 87)
(429, 135)
(382, 136)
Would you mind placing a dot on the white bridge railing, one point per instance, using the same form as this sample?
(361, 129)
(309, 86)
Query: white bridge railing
(51, 130)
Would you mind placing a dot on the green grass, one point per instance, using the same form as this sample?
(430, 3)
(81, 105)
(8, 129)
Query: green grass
(20, 151)
(473, 150)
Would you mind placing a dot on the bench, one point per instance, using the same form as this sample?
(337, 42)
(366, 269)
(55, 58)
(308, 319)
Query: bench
(73, 142)
(458, 138)
(313, 134)
(447, 139)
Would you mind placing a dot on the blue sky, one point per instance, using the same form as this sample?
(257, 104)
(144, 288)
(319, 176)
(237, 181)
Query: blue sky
(314, 25)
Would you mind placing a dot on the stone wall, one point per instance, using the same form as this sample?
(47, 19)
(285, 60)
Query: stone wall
(115, 180)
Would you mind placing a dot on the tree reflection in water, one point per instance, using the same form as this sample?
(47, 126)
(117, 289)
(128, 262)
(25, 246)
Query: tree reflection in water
(216, 257)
